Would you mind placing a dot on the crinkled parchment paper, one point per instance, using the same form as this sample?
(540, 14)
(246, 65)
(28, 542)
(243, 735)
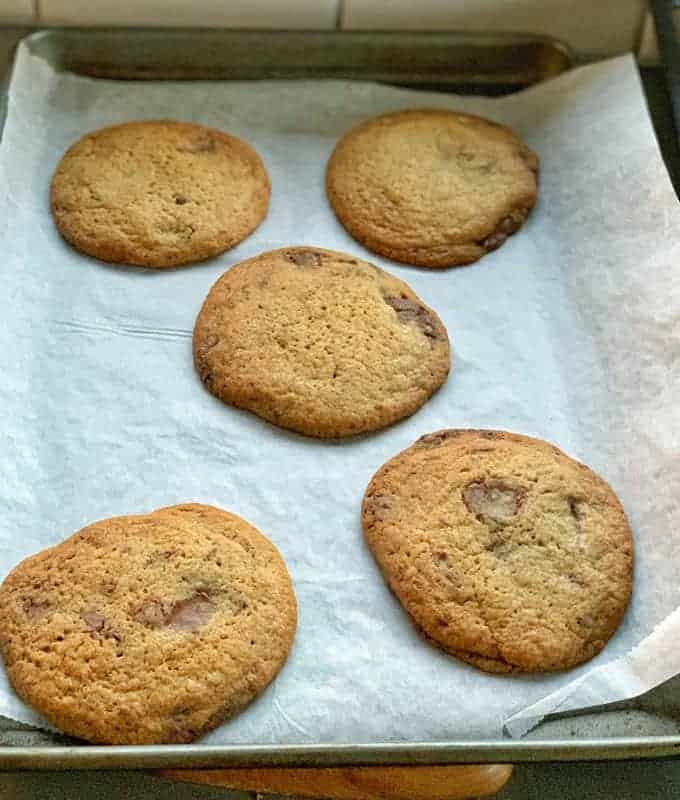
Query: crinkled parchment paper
(570, 332)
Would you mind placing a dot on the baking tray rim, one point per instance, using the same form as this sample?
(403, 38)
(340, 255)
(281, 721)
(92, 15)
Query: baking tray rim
(197, 756)
(67, 757)
(41, 37)
(121, 31)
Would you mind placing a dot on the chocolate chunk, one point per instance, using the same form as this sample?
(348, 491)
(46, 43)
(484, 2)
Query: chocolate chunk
(576, 508)
(98, 625)
(468, 160)
(192, 613)
(493, 500)
(304, 258)
(436, 439)
(93, 619)
(461, 156)
(202, 144)
(189, 614)
(507, 226)
(411, 311)
(494, 241)
(181, 199)
(35, 608)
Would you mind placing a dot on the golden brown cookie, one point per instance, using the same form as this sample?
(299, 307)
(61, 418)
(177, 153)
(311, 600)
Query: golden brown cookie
(158, 194)
(431, 187)
(505, 552)
(319, 342)
(148, 629)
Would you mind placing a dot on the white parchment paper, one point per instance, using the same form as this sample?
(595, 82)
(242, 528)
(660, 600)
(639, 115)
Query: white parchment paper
(570, 332)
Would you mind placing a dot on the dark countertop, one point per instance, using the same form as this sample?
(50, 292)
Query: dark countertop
(659, 109)
(659, 780)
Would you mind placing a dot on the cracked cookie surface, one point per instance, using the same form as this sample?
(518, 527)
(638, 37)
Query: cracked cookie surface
(148, 629)
(158, 194)
(505, 552)
(319, 342)
(431, 187)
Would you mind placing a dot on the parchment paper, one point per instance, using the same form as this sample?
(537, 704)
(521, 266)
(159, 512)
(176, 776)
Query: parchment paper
(570, 332)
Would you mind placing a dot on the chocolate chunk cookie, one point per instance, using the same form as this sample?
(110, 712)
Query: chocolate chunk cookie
(504, 551)
(319, 342)
(148, 629)
(158, 194)
(430, 187)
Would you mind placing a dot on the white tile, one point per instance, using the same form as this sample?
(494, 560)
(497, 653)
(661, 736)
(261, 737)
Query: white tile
(648, 51)
(590, 26)
(17, 12)
(192, 13)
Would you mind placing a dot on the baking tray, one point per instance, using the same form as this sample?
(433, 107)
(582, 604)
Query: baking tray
(462, 63)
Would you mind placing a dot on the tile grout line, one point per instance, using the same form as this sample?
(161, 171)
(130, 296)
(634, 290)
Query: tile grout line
(339, 14)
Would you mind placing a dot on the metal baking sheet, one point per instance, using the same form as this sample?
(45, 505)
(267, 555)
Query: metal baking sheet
(468, 63)
(462, 62)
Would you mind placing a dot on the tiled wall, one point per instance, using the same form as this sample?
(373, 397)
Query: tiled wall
(592, 27)
(17, 12)
(212, 13)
